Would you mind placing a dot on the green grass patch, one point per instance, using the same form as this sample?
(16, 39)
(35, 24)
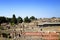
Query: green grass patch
(2, 28)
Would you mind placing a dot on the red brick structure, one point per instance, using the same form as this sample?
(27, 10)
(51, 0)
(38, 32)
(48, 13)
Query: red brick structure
(44, 35)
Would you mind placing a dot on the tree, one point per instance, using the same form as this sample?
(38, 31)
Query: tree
(14, 20)
(3, 20)
(27, 20)
(9, 20)
(53, 17)
(20, 20)
(33, 18)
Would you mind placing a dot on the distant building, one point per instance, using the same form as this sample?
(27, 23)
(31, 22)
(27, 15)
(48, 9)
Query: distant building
(46, 24)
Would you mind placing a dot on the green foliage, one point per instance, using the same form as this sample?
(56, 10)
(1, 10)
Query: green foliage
(3, 20)
(20, 20)
(2, 28)
(14, 20)
(9, 20)
(12, 24)
(53, 17)
(33, 18)
(27, 20)
(5, 35)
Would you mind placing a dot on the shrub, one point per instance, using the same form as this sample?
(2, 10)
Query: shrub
(2, 28)
(5, 35)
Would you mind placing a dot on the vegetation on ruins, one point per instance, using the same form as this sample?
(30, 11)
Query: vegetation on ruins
(5, 35)
(9, 20)
(27, 20)
(15, 20)
(33, 18)
(2, 20)
(1, 28)
(12, 20)
(20, 20)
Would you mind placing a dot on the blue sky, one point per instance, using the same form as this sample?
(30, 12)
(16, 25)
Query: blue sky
(23, 8)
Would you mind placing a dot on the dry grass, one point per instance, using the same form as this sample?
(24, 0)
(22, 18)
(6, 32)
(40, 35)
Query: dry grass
(57, 28)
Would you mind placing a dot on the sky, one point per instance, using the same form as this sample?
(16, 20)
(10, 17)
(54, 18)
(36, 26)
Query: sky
(23, 8)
